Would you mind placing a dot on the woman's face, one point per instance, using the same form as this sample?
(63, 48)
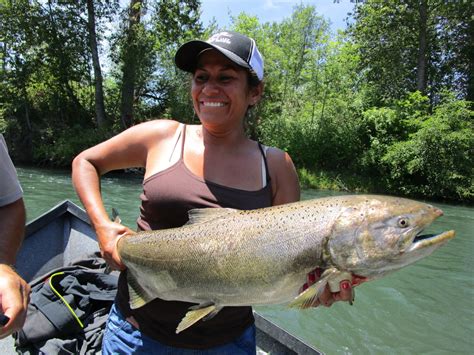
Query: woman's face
(220, 90)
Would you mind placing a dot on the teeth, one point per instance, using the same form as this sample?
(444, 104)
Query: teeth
(213, 104)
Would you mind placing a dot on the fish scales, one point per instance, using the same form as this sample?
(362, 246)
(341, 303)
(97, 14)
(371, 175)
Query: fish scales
(255, 253)
(231, 258)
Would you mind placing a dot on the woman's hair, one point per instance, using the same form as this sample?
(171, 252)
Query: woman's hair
(252, 78)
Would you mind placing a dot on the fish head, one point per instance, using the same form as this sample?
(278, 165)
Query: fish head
(379, 234)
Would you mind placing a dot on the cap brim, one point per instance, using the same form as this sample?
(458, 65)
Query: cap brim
(186, 55)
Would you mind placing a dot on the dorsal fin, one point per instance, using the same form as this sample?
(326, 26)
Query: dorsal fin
(200, 215)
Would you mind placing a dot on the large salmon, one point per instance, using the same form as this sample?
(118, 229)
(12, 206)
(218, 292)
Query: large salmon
(225, 257)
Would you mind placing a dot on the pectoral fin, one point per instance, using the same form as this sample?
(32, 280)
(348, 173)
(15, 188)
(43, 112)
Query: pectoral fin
(331, 276)
(138, 295)
(306, 298)
(194, 314)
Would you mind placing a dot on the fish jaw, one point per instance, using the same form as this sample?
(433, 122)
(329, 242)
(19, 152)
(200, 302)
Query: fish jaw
(381, 235)
(423, 246)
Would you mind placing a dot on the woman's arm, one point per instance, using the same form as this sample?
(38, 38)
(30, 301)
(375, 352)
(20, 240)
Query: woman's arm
(128, 149)
(285, 184)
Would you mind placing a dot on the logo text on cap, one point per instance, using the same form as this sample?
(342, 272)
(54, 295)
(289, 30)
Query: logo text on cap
(223, 37)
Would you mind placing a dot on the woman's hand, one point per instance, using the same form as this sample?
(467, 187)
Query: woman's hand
(108, 235)
(14, 298)
(327, 298)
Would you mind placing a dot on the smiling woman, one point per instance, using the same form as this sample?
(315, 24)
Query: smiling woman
(213, 164)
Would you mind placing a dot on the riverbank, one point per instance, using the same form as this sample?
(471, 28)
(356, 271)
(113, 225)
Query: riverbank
(358, 183)
(323, 180)
(320, 180)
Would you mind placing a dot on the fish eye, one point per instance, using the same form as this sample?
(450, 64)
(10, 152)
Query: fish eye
(402, 222)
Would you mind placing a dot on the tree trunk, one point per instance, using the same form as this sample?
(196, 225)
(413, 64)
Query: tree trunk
(26, 150)
(129, 66)
(470, 65)
(422, 47)
(62, 71)
(99, 91)
(4, 56)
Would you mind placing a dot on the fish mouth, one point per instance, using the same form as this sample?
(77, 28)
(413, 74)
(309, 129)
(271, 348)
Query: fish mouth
(427, 240)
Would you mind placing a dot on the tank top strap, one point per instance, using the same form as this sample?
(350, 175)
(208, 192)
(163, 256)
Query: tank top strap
(183, 137)
(179, 135)
(265, 173)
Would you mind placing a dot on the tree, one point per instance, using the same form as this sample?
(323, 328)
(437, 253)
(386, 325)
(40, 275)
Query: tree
(310, 91)
(99, 90)
(421, 74)
(414, 45)
(129, 67)
(147, 53)
(47, 73)
(174, 22)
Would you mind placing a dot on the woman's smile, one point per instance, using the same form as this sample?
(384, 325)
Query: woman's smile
(213, 104)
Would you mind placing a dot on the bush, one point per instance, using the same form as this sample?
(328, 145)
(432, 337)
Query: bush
(384, 126)
(438, 159)
(60, 149)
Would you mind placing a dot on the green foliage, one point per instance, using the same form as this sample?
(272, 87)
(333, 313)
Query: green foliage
(59, 149)
(175, 22)
(3, 124)
(337, 181)
(397, 43)
(384, 126)
(346, 108)
(438, 159)
(310, 103)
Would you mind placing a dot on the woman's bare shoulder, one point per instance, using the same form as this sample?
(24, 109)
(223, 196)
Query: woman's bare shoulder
(149, 133)
(285, 183)
(162, 128)
(276, 156)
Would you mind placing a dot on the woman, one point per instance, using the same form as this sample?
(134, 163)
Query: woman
(212, 164)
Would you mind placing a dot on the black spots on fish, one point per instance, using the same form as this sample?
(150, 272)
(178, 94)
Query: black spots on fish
(361, 212)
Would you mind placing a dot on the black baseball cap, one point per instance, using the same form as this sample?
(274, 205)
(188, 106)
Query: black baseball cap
(240, 49)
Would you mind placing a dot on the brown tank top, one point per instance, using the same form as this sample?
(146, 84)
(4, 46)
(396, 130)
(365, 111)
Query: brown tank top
(166, 199)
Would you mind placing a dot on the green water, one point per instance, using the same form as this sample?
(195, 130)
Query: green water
(427, 308)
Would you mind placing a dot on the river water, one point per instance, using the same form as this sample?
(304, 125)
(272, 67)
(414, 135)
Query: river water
(426, 308)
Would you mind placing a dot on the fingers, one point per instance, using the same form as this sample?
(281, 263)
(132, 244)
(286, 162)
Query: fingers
(113, 260)
(26, 292)
(345, 294)
(313, 276)
(117, 261)
(108, 237)
(357, 280)
(14, 299)
(327, 298)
